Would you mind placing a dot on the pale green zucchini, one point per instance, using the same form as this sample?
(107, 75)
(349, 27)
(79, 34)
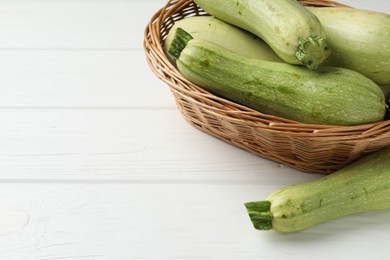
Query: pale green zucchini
(330, 96)
(224, 34)
(359, 40)
(360, 187)
(294, 33)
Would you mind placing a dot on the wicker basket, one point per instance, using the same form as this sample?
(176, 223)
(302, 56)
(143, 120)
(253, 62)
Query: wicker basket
(306, 147)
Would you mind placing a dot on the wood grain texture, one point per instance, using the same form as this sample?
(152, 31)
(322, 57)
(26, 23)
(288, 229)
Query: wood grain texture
(80, 79)
(74, 24)
(122, 144)
(97, 163)
(166, 221)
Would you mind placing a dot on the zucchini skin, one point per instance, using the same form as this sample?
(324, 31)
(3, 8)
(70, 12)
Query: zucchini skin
(359, 40)
(294, 33)
(359, 187)
(224, 34)
(329, 96)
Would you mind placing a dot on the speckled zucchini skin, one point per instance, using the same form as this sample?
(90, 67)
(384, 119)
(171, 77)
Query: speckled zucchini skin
(360, 187)
(224, 34)
(294, 33)
(359, 40)
(329, 96)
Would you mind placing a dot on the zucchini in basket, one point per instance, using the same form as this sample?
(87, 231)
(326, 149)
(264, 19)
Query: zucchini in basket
(329, 96)
(293, 32)
(359, 40)
(359, 187)
(224, 34)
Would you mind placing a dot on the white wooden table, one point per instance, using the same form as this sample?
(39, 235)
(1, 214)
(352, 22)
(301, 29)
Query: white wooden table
(97, 163)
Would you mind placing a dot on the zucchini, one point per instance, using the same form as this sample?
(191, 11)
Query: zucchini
(330, 96)
(224, 34)
(293, 32)
(359, 187)
(359, 40)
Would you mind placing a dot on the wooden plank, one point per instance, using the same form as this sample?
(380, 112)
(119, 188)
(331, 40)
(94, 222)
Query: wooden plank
(80, 79)
(123, 144)
(161, 221)
(74, 24)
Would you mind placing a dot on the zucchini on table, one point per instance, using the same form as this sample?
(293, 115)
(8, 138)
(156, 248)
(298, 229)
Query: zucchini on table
(359, 40)
(329, 96)
(293, 32)
(359, 187)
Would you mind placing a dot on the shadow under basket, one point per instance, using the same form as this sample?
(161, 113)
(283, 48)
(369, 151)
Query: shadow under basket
(305, 147)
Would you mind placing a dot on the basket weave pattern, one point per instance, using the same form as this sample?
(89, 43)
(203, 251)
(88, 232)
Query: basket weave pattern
(306, 147)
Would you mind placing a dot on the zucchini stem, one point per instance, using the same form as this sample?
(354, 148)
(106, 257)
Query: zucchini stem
(260, 214)
(312, 51)
(179, 42)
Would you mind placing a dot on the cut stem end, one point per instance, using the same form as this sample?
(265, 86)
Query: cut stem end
(260, 214)
(179, 42)
(312, 51)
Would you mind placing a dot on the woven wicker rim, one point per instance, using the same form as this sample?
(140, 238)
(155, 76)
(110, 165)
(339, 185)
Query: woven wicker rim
(154, 36)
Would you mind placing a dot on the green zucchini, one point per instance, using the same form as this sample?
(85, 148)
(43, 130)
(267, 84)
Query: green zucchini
(330, 96)
(224, 34)
(293, 32)
(359, 187)
(359, 40)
